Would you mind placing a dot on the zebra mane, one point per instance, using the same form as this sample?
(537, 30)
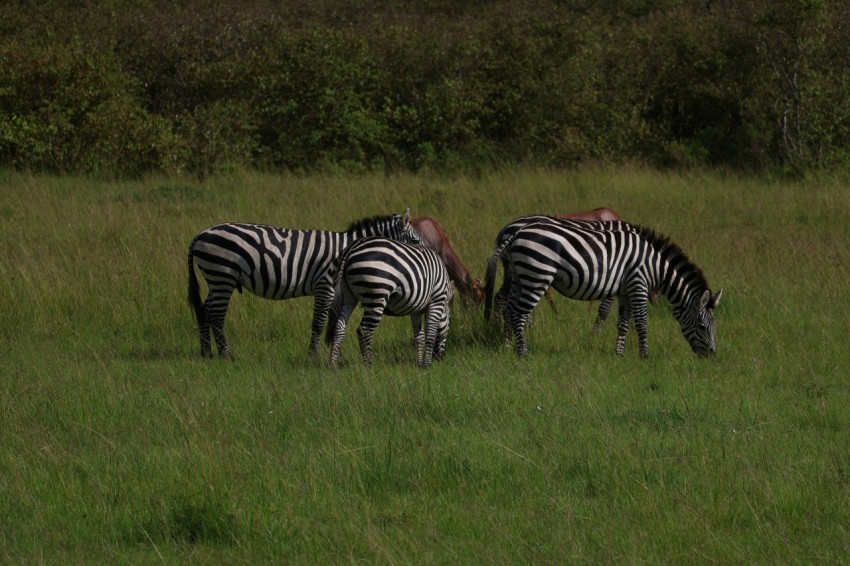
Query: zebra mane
(370, 222)
(674, 255)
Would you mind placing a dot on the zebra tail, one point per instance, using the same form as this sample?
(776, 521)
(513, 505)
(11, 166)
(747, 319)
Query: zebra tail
(194, 288)
(490, 275)
(335, 272)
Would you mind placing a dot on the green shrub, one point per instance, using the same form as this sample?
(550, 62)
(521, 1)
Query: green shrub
(72, 109)
(214, 85)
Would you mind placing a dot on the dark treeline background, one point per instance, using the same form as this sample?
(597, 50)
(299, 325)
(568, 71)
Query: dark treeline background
(129, 87)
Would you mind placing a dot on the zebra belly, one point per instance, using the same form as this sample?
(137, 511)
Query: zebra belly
(582, 289)
(402, 305)
(268, 282)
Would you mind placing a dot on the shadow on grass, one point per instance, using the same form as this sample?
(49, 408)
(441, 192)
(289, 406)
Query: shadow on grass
(188, 519)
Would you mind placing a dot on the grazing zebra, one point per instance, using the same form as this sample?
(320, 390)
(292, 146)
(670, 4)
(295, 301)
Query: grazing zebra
(501, 296)
(273, 263)
(391, 278)
(592, 261)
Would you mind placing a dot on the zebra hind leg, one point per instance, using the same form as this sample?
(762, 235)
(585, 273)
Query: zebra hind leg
(432, 321)
(217, 325)
(372, 314)
(364, 336)
(204, 331)
(339, 333)
(501, 301)
(418, 338)
(215, 309)
(517, 322)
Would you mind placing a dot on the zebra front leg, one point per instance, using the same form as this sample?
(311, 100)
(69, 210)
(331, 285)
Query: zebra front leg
(623, 322)
(321, 305)
(602, 314)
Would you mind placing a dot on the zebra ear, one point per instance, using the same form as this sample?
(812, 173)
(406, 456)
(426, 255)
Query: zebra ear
(709, 301)
(715, 300)
(703, 301)
(405, 218)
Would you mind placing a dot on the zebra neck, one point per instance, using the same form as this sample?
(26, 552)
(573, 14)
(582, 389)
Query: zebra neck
(681, 281)
(363, 232)
(352, 236)
(680, 290)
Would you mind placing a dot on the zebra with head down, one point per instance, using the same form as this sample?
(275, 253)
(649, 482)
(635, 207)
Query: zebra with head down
(597, 260)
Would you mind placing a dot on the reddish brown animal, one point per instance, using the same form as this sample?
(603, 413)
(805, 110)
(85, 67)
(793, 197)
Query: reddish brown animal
(436, 238)
(599, 214)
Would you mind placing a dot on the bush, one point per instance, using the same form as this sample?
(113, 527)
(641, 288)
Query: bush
(72, 109)
(212, 85)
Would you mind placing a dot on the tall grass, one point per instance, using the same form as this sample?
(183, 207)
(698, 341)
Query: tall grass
(118, 444)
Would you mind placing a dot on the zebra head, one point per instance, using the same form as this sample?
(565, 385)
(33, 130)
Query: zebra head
(403, 230)
(698, 324)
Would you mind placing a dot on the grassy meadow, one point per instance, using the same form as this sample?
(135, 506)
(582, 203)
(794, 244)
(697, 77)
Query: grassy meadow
(119, 445)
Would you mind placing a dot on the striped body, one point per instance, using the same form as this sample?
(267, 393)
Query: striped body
(396, 279)
(273, 263)
(501, 296)
(599, 260)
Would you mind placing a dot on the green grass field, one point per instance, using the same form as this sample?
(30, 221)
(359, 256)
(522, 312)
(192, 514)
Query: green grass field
(119, 445)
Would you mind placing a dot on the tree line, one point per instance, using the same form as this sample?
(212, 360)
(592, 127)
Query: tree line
(130, 87)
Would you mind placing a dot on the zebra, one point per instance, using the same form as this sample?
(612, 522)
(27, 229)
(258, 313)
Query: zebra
(393, 278)
(592, 261)
(273, 263)
(501, 296)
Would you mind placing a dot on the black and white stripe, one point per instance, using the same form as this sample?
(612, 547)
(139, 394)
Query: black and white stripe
(500, 297)
(396, 279)
(598, 260)
(273, 263)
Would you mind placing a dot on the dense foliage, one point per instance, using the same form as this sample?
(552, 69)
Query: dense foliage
(201, 86)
